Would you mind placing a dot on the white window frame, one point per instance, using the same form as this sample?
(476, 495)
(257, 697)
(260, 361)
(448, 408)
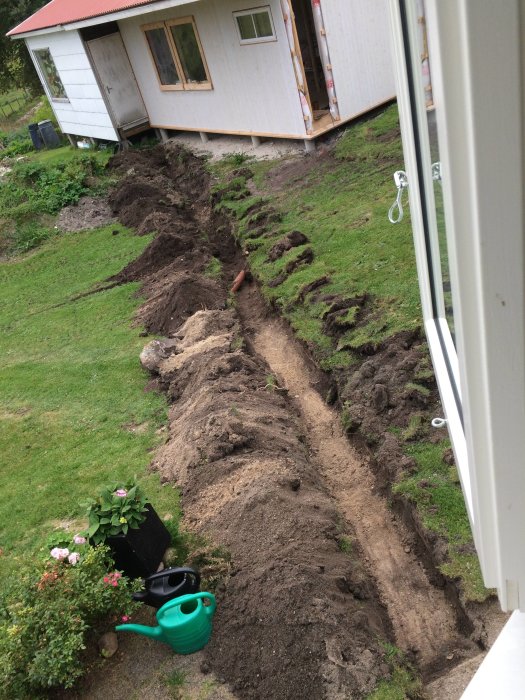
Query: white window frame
(255, 11)
(184, 83)
(476, 62)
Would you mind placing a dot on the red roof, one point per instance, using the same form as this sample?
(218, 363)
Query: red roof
(65, 11)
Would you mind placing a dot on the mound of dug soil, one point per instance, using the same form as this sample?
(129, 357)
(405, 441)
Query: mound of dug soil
(298, 618)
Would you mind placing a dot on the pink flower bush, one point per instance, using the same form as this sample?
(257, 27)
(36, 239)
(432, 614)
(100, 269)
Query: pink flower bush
(121, 493)
(73, 558)
(78, 539)
(59, 554)
(112, 579)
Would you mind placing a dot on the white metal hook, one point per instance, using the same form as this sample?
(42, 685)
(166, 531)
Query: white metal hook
(401, 182)
(438, 422)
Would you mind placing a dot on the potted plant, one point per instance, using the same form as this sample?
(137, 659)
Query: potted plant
(122, 518)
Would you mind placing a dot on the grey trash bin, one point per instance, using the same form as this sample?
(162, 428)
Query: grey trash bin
(36, 138)
(48, 133)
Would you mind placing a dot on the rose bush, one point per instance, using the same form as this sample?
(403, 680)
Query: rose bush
(47, 614)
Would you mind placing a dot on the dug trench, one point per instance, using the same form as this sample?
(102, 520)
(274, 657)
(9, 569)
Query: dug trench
(323, 575)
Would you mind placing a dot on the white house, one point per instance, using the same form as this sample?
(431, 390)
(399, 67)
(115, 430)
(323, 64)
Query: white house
(282, 68)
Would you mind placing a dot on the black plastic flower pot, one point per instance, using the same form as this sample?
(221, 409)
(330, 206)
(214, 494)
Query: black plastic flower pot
(139, 552)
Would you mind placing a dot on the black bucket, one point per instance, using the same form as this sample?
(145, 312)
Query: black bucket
(36, 138)
(48, 133)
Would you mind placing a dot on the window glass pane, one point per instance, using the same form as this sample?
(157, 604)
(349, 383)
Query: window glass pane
(49, 70)
(425, 76)
(263, 24)
(161, 52)
(246, 27)
(189, 53)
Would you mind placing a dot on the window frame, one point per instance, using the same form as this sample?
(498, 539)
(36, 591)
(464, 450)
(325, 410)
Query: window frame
(184, 84)
(478, 90)
(43, 76)
(253, 11)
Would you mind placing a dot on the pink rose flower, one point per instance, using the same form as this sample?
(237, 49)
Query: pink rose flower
(73, 558)
(121, 493)
(58, 553)
(78, 539)
(125, 618)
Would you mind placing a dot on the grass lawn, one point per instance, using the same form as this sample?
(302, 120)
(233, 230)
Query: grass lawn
(73, 411)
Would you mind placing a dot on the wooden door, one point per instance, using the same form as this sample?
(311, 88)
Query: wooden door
(117, 80)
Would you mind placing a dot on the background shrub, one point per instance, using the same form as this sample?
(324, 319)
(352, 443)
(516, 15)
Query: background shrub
(47, 614)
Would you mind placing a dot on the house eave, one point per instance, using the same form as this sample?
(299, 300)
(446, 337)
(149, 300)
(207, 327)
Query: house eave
(102, 19)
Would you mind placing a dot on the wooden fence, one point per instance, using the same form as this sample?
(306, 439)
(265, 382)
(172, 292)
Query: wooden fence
(13, 104)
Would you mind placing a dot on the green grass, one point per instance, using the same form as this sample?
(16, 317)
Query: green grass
(214, 269)
(402, 684)
(73, 411)
(175, 681)
(434, 488)
(342, 207)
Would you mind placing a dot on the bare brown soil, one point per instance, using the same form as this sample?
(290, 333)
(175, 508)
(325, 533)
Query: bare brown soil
(87, 213)
(297, 616)
(265, 469)
(428, 627)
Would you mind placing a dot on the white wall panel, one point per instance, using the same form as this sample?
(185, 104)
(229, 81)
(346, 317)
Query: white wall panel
(80, 104)
(254, 87)
(358, 34)
(85, 114)
(84, 92)
(75, 61)
(105, 133)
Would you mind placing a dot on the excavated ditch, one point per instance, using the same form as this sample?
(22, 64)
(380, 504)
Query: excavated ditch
(265, 469)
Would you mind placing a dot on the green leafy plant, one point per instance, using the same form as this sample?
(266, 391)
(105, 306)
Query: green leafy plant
(117, 509)
(49, 613)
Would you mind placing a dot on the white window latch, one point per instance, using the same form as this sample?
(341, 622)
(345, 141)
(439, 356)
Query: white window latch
(401, 182)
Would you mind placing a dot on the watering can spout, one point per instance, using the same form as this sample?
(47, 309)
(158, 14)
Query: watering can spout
(153, 632)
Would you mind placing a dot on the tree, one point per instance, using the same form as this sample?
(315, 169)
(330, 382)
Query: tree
(16, 66)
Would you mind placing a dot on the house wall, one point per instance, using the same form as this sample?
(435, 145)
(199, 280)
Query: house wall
(254, 87)
(85, 114)
(358, 34)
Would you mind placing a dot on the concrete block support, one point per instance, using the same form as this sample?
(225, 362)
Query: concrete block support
(309, 146)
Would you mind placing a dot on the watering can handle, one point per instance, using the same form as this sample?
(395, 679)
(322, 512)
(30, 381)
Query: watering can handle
(177, 602)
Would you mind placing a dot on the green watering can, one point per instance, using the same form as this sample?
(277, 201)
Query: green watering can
(184, 623)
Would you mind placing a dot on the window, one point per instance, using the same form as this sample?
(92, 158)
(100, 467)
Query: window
(177, 54)
(49, 72)
(255, 25)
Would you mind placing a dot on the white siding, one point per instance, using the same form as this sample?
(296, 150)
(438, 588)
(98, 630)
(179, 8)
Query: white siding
(358, 35)
(254, 87)
(85, 114)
